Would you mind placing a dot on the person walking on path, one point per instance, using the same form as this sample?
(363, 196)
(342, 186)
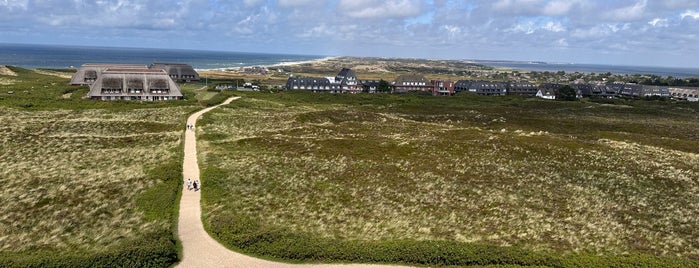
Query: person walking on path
(189, 184)
(196, 184)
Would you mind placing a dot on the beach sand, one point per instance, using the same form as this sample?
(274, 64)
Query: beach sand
(365, 68)
(6, 71)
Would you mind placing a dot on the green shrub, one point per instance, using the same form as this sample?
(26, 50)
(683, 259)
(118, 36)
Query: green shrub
(155, 250)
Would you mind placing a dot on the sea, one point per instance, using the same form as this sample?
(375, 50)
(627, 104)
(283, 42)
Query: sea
(61, 56)
(58, 56)
(592, 68)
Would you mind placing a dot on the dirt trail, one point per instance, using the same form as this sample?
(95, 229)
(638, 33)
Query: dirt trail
(199, 249)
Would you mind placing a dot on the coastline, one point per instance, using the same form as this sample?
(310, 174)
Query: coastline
(63, 57)
(280, 64)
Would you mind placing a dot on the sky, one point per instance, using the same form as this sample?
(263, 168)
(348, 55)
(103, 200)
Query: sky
(618, 32)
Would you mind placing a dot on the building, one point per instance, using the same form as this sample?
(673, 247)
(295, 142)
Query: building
(411, 82)
(689, 94)
(370, 86)
(344, 82)
(548, 91)
(521, 88)
(348, 81)
(631, 90)
(88, 73)
(641, 91)
(134, 84)
(442, 88)
(480, 87)
(655, 91)
(178, 71)
(313, 84)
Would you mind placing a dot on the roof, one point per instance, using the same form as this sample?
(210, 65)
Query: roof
(479, 84)
(345, 72)
(177, 70)
(134, 71)
(171, 64)
(143, 79)
(120, 65)
(88, 72)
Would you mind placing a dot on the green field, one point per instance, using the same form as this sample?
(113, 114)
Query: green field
(466, 180)
(348, 178)
(86, 183)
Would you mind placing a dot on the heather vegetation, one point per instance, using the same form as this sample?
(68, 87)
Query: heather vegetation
(86, 183)
(467, 180)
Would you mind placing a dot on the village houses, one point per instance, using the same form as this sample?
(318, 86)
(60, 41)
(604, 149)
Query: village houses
(346, 81)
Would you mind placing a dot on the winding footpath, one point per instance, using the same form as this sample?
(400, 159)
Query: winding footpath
(199, 249)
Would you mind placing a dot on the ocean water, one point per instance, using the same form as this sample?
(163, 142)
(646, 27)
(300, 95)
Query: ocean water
(55, 56)
(50, 56)
(595, 68)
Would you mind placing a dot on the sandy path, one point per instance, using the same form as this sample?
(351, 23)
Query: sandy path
(199, 249)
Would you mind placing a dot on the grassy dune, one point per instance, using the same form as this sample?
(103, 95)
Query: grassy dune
(86, 183)
(459, 181)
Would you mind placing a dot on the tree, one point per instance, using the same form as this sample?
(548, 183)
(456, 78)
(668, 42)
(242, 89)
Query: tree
(383, 86)
(567, 93)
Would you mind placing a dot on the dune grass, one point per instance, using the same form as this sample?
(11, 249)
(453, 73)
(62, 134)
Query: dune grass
(87, 183)
(466, 180)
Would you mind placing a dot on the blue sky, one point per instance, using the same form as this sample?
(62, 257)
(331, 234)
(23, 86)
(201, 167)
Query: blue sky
(625, 32)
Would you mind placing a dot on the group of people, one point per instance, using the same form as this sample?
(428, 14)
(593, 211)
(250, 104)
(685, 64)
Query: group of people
(193, 185)
(190, 127)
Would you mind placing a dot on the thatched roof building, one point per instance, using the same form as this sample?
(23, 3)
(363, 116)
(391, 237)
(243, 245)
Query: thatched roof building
(89, 72)
(178, 71)
(134, 84)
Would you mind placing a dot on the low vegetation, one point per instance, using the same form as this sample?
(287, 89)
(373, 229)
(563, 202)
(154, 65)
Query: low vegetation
(467, 180)
(87, 183)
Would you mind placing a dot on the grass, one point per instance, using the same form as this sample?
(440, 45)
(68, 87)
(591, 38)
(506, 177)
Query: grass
(511, 180)
(87, 183)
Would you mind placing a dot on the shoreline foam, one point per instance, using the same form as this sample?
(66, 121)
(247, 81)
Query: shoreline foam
(281, 64)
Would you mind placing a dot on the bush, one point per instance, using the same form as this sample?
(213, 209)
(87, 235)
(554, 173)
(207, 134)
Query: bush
(246, 234)
(155, 250)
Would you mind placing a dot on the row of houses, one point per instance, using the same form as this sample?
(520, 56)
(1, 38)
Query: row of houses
(626, 90)
(344, 82)
(134, 82)
(347, 82)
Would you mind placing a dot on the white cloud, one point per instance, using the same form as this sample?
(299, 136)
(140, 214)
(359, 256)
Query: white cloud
(554, 27)
(515, 6)
(558, 8)
(14, 4)
(628, 13)
(297, 3)
(376, 9)
(530, 27)
(658, 22)
(250, 3)
(452, 31)
(600, 31)
(691, 14)
(562, 42)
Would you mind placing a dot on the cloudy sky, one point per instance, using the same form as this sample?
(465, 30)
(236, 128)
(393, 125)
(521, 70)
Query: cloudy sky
(628, 32)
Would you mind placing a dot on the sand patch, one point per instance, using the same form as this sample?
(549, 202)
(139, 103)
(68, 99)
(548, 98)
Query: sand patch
(6, 71)
(52, 73)
(370, 68)
(6, 81)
